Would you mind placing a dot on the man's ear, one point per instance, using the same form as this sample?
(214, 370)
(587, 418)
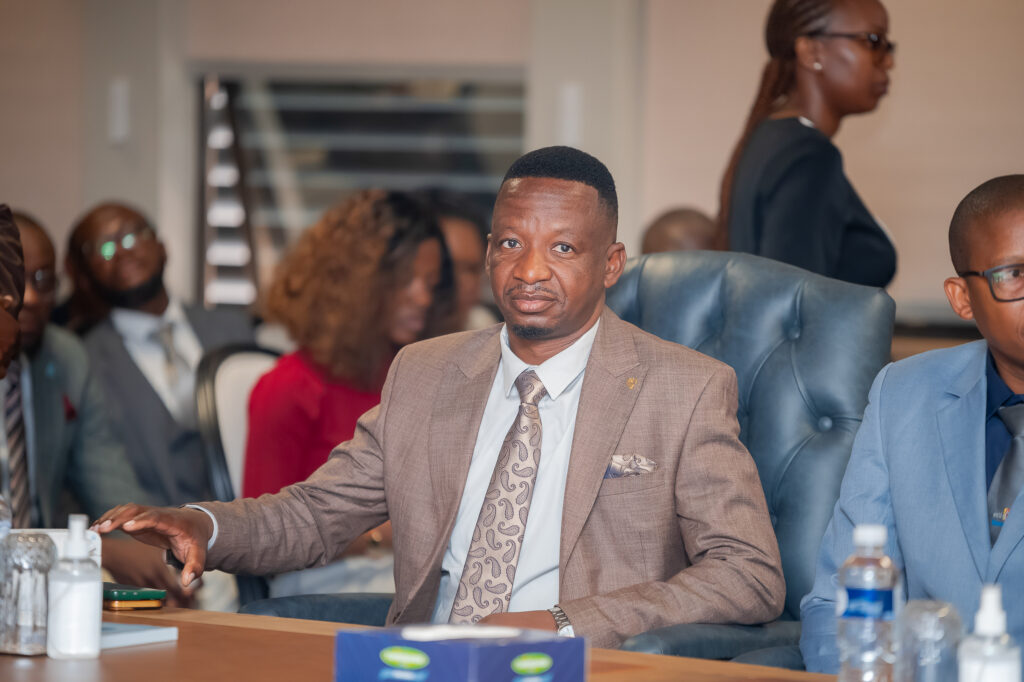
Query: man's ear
(615, 262)
(487, 257)
(959, 297)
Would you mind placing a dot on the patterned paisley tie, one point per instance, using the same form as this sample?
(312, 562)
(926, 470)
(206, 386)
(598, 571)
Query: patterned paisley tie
(490, 570)
(1010, 474)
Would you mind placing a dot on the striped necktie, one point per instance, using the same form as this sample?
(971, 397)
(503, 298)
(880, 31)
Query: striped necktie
(14, 423)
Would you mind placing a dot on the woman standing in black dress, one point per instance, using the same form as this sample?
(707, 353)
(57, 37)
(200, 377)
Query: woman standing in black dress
(784, 193)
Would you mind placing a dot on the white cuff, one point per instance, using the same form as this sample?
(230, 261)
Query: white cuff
(213, 538)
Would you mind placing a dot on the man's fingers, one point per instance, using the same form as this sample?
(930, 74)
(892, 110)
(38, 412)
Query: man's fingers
(116, 517)
(194, 559)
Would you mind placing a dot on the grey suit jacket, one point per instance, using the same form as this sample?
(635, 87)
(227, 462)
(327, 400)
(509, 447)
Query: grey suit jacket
(167, 458)
(688, 542)
(75, 448)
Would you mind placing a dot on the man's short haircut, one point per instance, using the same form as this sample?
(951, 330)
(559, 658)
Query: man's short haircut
(568, 163)
(986, 201)
(26, 221)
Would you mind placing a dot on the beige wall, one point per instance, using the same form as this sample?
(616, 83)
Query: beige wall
(405, 32)
(41, 126)
(952, 119)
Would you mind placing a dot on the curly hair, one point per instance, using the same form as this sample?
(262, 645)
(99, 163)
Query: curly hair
(331, 291)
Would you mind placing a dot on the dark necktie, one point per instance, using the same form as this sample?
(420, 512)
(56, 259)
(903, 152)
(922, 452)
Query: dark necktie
(490, 570)
(1010, 475)
(14, 423)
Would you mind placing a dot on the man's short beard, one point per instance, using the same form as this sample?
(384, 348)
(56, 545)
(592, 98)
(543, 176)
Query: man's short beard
(530, 333)
(133, 298)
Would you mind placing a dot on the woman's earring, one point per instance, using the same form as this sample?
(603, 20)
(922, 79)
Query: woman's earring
(817, 66)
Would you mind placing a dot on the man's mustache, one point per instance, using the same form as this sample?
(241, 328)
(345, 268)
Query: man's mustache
(530, 290)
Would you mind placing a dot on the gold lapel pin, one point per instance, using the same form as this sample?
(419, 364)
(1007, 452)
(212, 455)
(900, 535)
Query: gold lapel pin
(631, 383)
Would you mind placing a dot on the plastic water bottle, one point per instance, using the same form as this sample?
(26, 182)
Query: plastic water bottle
(989, 655)
(865, 606)
(76, 598)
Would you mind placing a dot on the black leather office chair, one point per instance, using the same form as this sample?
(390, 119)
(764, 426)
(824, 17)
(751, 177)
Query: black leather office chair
(805, 349)
(224, 379)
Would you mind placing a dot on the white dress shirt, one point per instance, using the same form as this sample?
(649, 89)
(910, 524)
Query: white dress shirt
(536, 584)
(138, 331)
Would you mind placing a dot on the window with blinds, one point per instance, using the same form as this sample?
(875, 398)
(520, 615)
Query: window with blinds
(276, 153)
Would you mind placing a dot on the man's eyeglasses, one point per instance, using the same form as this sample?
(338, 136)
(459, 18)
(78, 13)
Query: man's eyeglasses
(878, 43)
(1006, 282)
(106, 247)
(44, 281)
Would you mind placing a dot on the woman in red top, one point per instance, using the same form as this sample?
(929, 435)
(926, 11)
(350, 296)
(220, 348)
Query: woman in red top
(371, 276)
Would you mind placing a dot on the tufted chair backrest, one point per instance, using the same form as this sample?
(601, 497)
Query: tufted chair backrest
(805, 349)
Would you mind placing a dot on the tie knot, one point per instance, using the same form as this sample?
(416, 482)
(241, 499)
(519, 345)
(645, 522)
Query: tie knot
(531, 390)
(1013, 417)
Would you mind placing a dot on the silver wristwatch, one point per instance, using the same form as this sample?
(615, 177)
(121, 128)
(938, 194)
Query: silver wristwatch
(562, 623)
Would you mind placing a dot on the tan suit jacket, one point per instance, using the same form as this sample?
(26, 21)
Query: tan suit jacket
(689, 542)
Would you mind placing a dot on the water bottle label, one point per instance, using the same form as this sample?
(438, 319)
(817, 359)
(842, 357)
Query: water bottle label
(858, 602)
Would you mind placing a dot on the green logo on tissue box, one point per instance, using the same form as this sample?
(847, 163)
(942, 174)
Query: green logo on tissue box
(406, 658)
(531, 664)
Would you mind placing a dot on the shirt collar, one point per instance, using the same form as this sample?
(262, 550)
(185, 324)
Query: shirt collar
(997, 392)
(140, 326)
(557, 373)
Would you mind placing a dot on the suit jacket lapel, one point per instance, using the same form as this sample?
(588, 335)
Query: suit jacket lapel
(458, 409)
(961, 426)
(611, 384)
(48, 423)
(131, 387)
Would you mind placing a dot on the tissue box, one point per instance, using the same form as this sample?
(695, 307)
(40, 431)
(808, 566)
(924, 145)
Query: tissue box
(421, 653)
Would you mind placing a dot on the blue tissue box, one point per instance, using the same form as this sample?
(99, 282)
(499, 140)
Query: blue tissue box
(421, 653)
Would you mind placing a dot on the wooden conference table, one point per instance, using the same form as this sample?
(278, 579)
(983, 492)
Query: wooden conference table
(224, 647)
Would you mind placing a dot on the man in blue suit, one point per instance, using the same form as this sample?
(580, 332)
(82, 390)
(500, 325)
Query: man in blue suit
(933, 439)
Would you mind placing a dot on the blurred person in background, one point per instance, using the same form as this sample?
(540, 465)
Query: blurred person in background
(465, 236)
(12, 287)
(680, 229)
(147, 351)
(83, 308)
(784, 194)
(60, 433)
(370, 277)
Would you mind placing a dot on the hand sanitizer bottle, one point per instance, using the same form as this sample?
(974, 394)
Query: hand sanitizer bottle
(989, 655)
(76, 599)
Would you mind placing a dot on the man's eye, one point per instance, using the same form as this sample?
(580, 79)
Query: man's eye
(563, 248)
(509, 243)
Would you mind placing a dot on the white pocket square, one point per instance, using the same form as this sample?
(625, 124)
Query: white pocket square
(629, 465)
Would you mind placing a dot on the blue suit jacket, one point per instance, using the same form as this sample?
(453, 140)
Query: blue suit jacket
(918, 466)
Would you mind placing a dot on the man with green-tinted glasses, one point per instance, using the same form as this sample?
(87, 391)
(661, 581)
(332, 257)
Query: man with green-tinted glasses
(147, 350)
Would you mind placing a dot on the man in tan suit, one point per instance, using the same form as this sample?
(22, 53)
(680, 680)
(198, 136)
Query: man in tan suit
(620, 500)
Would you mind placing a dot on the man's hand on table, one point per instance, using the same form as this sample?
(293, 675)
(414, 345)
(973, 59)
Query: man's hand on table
(535, 620)
(185, 532)
(132, 563)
